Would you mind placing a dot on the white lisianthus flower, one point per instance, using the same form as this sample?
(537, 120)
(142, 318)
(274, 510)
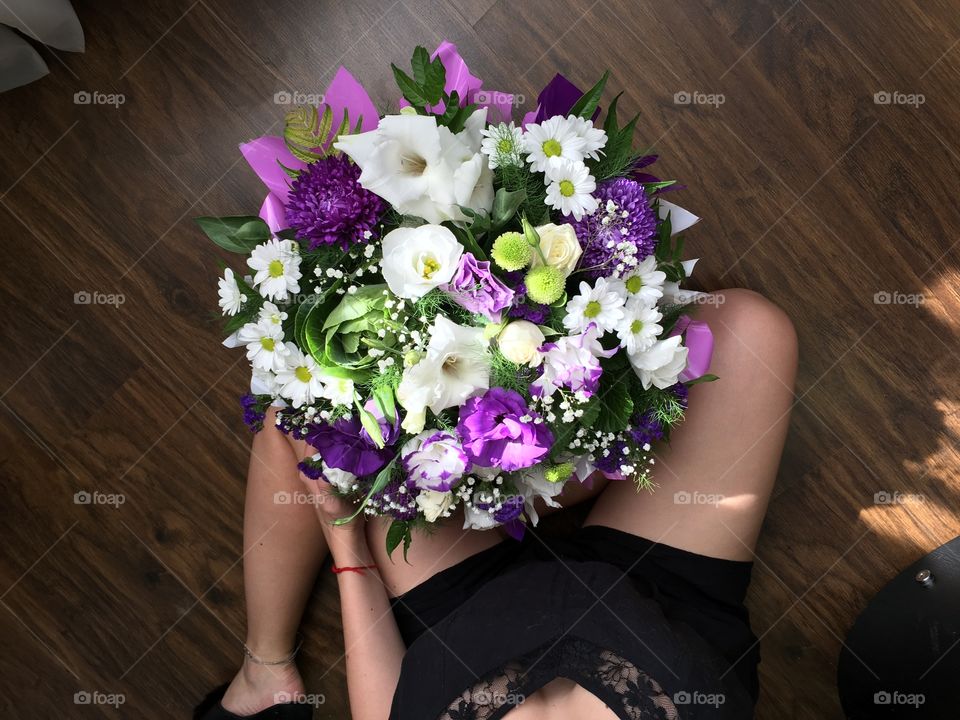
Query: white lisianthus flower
(231, 299)
(520, 342)
(434, 460)
(639, 330)
(341, 480)
(660, 365)
(559, 246)
(600, 305)
(434, 504)
(272, 314)
(644, 284)
(569, 188)
(277, 266)
(503, 144)
(456, 366)
(299, 382)
(265, 348)
(423, 169)
(594, 138)
(418, 259)
(557, 137)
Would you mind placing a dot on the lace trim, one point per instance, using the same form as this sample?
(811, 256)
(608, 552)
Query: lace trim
(626, 689)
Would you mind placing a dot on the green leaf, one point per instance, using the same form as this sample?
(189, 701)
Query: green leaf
(505, 206)
(409, 88)
(436, 78)
(420, 64)
(610, 124)
(616, 404)
(587, 104)
(399, 532)
(236, 233)
(654, 186)
(702, 379)
(383, 396)
(352, 307)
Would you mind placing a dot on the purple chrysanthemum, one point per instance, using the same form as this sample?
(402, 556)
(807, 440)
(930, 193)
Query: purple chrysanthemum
(638, 227)
(327, 206)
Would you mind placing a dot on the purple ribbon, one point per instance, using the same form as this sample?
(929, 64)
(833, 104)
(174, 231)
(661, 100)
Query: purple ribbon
(699, 342)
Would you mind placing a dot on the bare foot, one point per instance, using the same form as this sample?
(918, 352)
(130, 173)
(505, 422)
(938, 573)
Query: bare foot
(256, 687)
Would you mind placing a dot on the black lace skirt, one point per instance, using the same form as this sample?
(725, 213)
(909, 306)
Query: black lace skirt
(700, 596)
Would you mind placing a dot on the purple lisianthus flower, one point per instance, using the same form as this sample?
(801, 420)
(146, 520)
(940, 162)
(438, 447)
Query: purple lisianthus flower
(477, 289)
(434, 460)
(327, 205)
(571, 362)
(629, 219)
(346, 445)
(499, 430)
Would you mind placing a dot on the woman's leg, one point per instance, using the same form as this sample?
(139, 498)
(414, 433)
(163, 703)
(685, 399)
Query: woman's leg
(283, 547)
(716, 475)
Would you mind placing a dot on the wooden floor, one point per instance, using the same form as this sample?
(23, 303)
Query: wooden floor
(811, 192)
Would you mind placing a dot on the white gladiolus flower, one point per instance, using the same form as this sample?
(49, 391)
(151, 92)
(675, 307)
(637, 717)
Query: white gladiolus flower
(277, 266)
(569, 188)
(423, 169)
(299, 382)
(520, 342)
(416, 260)
(662, 364)
(456, 366)
(231, 299)
(559, 246)
(557, 137)
(600, 305)
(433, 504)
(265, 348)
(639, 330)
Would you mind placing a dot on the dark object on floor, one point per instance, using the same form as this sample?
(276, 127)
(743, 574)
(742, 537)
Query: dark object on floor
(210, 709)
(902, 657)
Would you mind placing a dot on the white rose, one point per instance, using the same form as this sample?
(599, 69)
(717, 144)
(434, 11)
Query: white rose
(662, 364)
(423, 169)
(418, 259)
(559, 246)
(433, 504)
(520, 343)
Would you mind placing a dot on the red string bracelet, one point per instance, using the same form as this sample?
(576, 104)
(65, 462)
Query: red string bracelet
(359, 569)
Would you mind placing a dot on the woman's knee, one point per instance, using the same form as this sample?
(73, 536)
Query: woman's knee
(754, 329)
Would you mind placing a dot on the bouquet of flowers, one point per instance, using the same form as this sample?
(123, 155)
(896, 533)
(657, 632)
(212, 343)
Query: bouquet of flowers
(456, 311)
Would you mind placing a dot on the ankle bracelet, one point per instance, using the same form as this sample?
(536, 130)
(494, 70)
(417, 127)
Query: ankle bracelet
(282, 661)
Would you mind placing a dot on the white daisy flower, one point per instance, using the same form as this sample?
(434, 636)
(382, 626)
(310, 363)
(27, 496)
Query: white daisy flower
(503, 144)
(231, 299)
(277, 266)
(594, 138)
(272, 314)
(337, 390)
(644, 284)
(638, 330)
(601, 305)
(265, 348)
(556, 137)
(569, 186)
(299, 382)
